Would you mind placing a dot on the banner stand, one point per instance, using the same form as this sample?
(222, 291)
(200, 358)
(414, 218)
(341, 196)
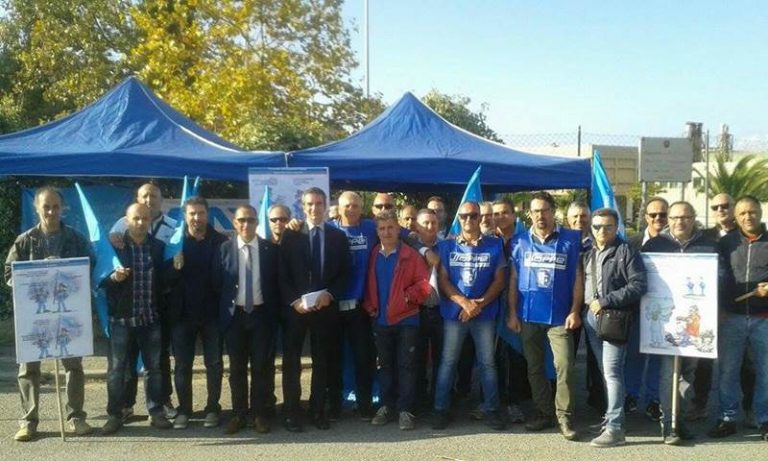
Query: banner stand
(58, 399)
(675, 393)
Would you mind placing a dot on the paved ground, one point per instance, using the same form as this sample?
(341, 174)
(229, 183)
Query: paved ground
(348, 439)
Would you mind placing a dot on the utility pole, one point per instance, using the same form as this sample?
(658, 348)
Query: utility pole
(366, 55)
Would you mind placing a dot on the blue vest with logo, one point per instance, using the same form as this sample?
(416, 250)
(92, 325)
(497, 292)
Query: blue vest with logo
(471, 270)
(362, 239)
(546, 273)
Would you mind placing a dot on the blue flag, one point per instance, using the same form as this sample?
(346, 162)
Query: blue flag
(471, 194)
(176, 243)
(195, 188)
(106, 258)
(602, 191)
(263, 229)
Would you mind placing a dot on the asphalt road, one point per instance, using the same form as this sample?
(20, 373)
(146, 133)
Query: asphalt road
(348, 439)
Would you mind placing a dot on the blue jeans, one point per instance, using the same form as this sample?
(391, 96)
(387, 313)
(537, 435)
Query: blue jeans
(122, 339)
(639, 365)
(397, 347)
(610, 358)
(737, 333)
(484, 334)
(184, 337)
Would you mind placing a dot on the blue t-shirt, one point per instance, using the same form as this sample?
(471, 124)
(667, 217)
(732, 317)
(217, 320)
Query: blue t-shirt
(362, 238)
(385, 273)
(471, 269)
(546, 273)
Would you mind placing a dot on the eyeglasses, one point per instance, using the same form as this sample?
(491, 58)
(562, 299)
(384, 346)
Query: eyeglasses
(386, 206)
(465, 216)
(661, 215)
(680, 218)
(245, 220)
(598, 227)
(278, 219)
(720, 206)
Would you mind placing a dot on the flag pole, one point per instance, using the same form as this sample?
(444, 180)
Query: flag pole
(58, 399)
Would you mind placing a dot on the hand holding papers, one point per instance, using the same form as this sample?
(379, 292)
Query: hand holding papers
(315, 300)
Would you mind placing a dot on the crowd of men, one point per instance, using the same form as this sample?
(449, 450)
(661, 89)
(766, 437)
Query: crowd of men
(418, 308)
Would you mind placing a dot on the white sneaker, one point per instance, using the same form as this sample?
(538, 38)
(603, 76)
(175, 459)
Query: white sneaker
(181, 422)
(382, 417)
(170, 412)
(609, 438)
(211, 419)
(407, 421)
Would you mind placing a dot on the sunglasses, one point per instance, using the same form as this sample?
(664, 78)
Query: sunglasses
(278, 219)
(464, 216)
(658, 215)
(245, 220)
(723, 206)
(386, 206)
(598, 227)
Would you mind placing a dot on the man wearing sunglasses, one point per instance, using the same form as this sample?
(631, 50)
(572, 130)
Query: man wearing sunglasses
(681, 237)
(246, 275)
(655, 215)
(471, 279)
(546, 296)
(279, 216)
(381, 202)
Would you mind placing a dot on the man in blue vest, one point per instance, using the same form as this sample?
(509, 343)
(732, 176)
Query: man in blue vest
(546, 295)
(471, 279)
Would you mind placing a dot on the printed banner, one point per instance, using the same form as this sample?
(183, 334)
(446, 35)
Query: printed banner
(52, 309)
(286, 186)
(678, 314)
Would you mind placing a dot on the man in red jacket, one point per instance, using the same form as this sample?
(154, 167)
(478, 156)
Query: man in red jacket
(398, 283)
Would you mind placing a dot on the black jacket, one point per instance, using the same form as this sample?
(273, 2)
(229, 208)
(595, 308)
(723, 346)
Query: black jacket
(623, 281)
(120, 294)
(30, 246)
(745, 264)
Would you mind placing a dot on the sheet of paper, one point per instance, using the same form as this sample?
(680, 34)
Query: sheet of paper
(310, 299)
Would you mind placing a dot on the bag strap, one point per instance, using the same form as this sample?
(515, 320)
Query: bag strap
(593, 274)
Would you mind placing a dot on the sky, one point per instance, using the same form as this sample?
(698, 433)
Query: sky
(614, 67)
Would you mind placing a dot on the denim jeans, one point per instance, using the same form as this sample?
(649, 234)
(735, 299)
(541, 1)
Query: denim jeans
(484, 334)
(610, 359)
(122, 339)
(396, 346)
(640, 369)
(737, 333)
(184, 337)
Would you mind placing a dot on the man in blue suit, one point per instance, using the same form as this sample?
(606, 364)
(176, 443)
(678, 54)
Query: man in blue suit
(246, 274)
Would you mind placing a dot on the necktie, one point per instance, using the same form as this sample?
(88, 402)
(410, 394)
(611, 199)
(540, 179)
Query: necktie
(248, 307)
(317, 264)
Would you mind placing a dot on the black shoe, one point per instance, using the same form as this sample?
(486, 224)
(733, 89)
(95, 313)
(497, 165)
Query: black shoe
(321, 421)
(334, 414)
(292, 424)
(566, 428)
(366, 414)
(653, 411)
(630, 404)
(495, 421)
(539, 423)
(235, 425)
(764, 431)
(678, 436)
(722, 429)
(261, 425)
(440, 420)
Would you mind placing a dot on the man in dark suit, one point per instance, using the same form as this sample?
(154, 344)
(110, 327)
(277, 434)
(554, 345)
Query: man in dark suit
(314, 261)
(246, 274)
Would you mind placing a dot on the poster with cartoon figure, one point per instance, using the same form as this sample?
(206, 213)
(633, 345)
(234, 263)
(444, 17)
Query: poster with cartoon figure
(678, 314)
(52, 309)
(286, 185)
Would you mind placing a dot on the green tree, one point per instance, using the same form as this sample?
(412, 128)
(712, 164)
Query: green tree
(748, 176)
(455, 109)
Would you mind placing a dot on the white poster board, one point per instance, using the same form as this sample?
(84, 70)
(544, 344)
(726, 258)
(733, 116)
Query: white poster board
(52, 309)
(678, 314)
(286, 186)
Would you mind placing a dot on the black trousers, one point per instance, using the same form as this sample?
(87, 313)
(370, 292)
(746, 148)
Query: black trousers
(248, 340)
(428, 351)
(322, 325)
(353, 326)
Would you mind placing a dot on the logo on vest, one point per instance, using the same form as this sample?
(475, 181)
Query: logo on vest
(545, 260)
(357, 242)
(471, 260)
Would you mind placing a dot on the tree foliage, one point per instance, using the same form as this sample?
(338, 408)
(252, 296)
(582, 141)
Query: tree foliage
(265, 74)
(456, 110)
(748, 176)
